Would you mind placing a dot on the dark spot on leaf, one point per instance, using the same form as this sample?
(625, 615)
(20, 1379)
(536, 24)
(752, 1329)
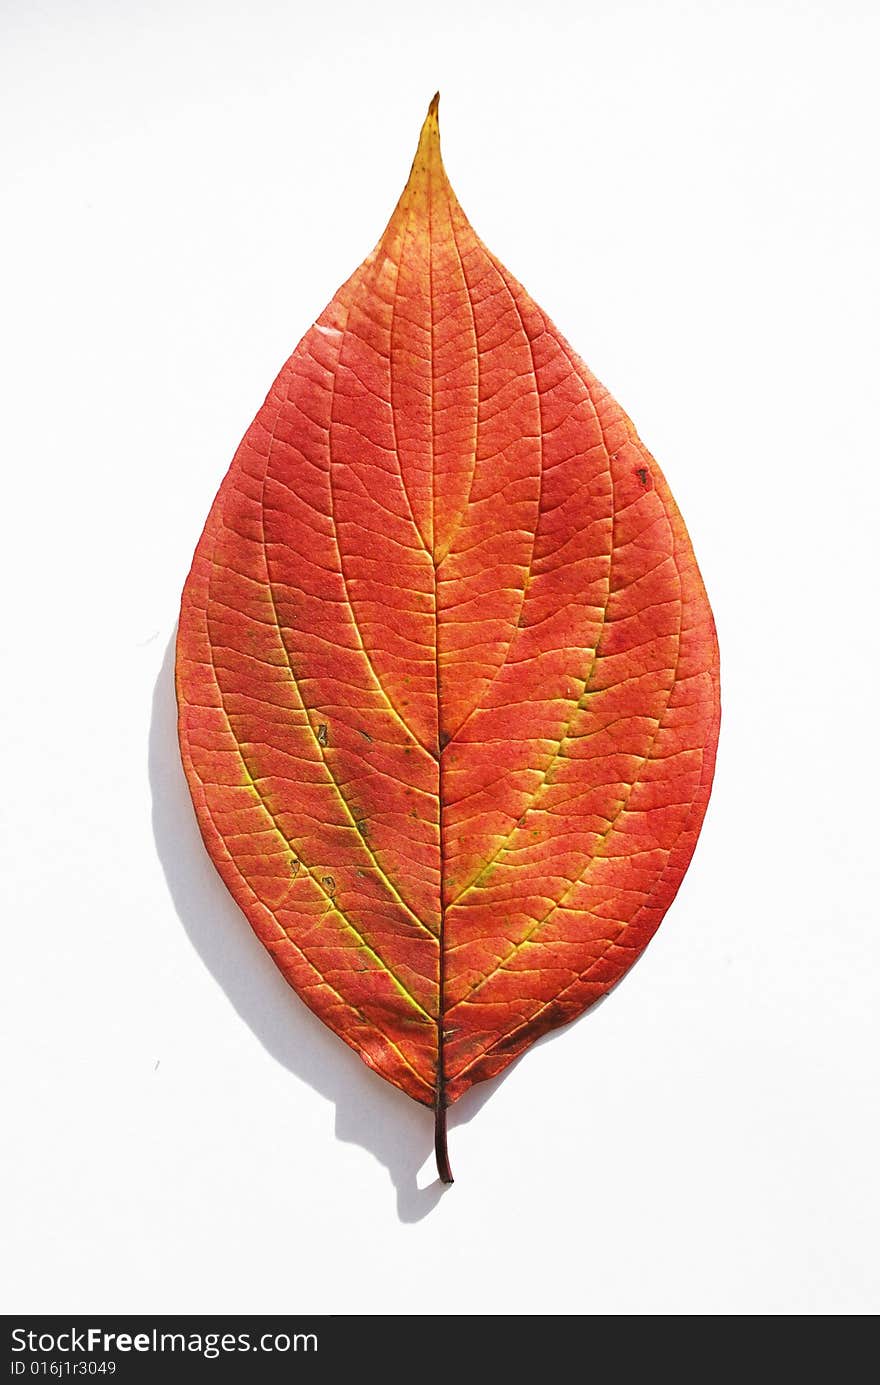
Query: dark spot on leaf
(329, 884)
(366, 735)
(642, 473)
(361, 826)
(322, 733)
(444, 739)
(550, 1017)
(294, 866)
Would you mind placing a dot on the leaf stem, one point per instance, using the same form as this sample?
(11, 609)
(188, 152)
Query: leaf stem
(440, 1151)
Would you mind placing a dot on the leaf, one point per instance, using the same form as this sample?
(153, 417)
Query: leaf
(446, 670)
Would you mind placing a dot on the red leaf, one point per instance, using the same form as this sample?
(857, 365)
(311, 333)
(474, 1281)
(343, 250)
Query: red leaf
(447, 674)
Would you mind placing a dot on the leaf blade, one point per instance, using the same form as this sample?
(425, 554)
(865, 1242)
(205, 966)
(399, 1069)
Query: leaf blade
(447, 673)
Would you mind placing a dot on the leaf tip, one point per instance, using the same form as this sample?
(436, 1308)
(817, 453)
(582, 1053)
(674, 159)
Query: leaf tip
(428, 152)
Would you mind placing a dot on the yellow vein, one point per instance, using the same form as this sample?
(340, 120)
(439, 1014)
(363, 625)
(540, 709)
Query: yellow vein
(582, 976)
(622, 808)
(268, 810)
(320, 749)
(284, 934)
(534, 534)
(325, 893)
(578, 707)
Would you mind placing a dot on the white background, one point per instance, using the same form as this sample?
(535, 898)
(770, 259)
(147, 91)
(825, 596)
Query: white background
(690, 190)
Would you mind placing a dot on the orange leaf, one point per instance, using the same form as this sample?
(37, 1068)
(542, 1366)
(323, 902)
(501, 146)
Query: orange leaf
(446, 670)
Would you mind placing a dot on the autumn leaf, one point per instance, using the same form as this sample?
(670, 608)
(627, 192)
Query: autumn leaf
(446, 670)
